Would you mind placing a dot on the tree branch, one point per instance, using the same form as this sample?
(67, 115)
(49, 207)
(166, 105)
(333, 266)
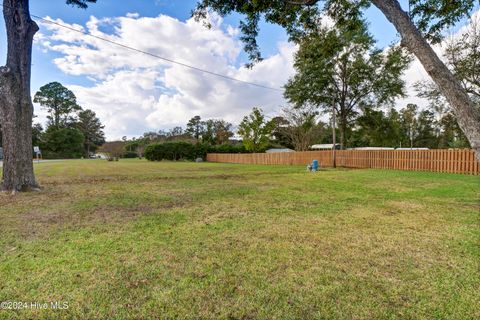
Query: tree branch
(302, 2)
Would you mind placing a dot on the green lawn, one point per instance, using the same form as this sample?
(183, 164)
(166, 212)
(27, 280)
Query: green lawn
(140, 240)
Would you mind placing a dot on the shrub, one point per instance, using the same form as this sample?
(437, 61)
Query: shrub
(187, 151)
(228, 148)
(60, 143)
(154, 152)
(175, 151)
(113, 150)
(129, 155)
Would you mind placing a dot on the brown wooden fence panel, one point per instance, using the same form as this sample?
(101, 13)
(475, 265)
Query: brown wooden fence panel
(451, 161)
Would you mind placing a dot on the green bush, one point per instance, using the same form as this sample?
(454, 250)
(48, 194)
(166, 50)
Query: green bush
(130, 155)
(187, 151)
(62, 143)
(228, 148)
(175, 151)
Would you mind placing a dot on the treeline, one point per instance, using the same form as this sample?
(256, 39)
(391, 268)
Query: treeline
(195, 141)
(71, 131)
(175, 151)
(357, 83)
(297, 129)
(355, 88)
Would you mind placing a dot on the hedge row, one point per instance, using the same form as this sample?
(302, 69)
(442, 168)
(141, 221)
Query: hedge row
(187, 151)
(227, 148)
(129, 155)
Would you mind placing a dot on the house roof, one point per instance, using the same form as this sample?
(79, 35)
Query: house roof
(274, 150)
(373, 148)
(323, 146)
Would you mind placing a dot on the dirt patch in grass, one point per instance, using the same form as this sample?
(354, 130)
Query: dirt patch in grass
(129, 179)
(472, 206)
(402, 206)
(38, 221)
(200, 177)
(36, 224)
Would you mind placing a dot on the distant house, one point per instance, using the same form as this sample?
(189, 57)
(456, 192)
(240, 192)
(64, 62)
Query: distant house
(412, 149)
(327, 146)
(235, 138)
(279, 150)
(100, 155)
(372, 148)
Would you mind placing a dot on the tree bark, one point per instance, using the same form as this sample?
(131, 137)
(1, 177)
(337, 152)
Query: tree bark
(468, 116)
(16, 109)
(342, 122)
(334, 137)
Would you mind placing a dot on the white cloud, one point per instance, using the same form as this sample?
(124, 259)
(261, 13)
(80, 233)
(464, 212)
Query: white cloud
(412, 75)
(133, 15)
(133, 92)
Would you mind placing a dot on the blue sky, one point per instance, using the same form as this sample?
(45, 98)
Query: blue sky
(44, 71)
(164, 102)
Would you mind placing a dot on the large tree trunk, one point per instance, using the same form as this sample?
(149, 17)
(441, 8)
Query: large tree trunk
(16, 109)
(468, 117)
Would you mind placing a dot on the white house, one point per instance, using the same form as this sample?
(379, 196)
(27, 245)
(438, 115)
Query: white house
(327, 146)
(277, 150)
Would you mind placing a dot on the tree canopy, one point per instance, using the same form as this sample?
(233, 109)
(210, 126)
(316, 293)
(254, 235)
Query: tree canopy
(299, 16)
(92, 129)
(59, 101)
(421, 26)
(80, 3)
(195, 127)
(463, 58)
(299, 125)
(340, 67)
(255, 131)
(64, 142)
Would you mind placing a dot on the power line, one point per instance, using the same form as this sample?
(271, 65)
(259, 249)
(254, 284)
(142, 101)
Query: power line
(154, 55)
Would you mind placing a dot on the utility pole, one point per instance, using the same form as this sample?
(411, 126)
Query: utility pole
(334, 150)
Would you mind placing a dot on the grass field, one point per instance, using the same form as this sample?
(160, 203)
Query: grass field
(139, 240)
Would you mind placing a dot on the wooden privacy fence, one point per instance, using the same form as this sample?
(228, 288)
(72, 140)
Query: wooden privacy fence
(451, 161)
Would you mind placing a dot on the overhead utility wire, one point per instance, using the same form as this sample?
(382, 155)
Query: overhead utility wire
(155, 56)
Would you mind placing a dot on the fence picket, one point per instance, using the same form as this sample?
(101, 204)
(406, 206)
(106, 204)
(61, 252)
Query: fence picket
(452, 161)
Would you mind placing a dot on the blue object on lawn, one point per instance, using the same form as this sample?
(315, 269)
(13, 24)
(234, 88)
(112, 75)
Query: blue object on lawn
(315, 165)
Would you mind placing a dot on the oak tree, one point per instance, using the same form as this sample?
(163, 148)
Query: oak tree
(341, 67)
(419, 29)
(16, 109)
